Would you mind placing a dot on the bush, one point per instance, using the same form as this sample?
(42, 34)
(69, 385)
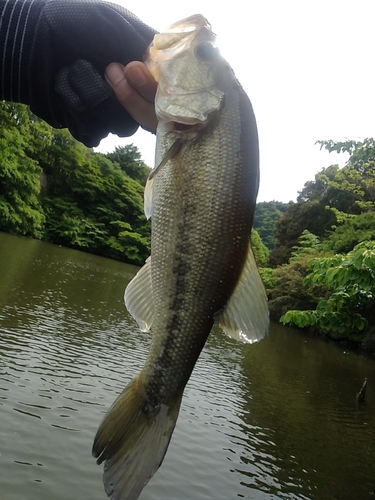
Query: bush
(349, 308)
(289, 291)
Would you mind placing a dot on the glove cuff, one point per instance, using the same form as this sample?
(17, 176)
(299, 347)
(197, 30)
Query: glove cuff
(18, 19)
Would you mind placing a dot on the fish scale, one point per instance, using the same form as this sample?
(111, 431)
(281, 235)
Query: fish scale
(201, 198)
(206, 236)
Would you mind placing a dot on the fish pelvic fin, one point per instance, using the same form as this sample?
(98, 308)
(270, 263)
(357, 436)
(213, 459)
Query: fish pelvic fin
(132, 440)
(245, 317)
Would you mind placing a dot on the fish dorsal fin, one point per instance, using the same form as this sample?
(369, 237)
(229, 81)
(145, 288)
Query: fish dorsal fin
(245, 317)
(138, 297)
(148, 198)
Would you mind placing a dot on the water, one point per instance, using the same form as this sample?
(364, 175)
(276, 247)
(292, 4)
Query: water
(276, 420)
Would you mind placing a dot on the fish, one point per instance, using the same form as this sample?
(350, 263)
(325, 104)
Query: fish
(201, 198)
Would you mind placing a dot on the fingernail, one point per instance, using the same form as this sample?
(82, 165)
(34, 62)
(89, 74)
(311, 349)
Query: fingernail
(136, 76)
(114, 73)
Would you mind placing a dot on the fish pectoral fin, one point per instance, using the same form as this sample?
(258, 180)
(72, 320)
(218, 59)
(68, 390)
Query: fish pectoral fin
(148, 197)
(245, 317)
(132, 440)
(139, 299)
(169, 155)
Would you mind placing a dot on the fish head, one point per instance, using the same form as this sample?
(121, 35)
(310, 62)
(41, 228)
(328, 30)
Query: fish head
(187, 65)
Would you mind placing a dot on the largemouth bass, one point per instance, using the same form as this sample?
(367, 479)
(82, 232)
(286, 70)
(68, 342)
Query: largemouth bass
(201, 198)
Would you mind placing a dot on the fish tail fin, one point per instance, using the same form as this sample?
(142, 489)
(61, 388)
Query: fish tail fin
(132, 440)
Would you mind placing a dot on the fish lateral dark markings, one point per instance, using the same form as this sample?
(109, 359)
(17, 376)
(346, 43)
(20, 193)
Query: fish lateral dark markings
(201, 199)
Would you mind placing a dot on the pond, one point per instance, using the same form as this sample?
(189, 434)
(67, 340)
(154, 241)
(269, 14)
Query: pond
(275, 420)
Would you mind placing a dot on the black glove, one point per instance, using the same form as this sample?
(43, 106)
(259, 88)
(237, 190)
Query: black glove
(55, 55)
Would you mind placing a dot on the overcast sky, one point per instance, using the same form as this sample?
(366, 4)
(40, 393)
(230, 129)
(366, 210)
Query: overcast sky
(307, 66)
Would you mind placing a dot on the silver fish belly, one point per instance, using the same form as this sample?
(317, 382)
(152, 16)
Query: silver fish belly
(201, 198)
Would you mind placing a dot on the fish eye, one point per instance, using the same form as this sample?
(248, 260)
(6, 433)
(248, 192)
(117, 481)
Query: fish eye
(206, 51)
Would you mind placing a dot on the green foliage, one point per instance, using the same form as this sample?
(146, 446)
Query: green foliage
(316, 189)
(334, 213)
(351, 232)
(67, 225)
(91, 203)
(132, 244)
(129, 160)
(54, 188)
(260, 251)
(268, 276)
(349, 307)
(357, 179)
(326, 191)
(266, 215)
(288, 290)
(307, 244)
(336, 197)
(20, 210)
(307, 215)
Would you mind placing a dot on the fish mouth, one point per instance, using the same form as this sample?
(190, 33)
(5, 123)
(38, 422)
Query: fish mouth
(186, 127)
(183, 129)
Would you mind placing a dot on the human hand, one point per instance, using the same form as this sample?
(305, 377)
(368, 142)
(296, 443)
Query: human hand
(60, 71)
(135, 89)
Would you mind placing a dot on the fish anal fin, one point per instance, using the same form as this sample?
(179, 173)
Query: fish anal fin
(139, 299)
(245, 317)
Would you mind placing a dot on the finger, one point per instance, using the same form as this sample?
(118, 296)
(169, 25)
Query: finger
(141, 108)
(139, 77)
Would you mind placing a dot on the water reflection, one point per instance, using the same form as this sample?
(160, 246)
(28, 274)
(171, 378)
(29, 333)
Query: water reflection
(277, 420)
(303, 400)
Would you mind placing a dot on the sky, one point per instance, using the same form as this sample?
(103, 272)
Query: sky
(307, 67)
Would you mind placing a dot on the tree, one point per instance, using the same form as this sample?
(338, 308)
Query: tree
(350, 307)
(129, 160)
(356, 180)
(53, 187)
(91, 203)
(266, 215)
(316, 189)
(352, 231)
(335, 197)
(260, 250)
(307, 244)
(20, 209)
(285, 286)
(310, 215)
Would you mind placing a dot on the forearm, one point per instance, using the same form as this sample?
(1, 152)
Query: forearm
(18, 19)
(53, 56)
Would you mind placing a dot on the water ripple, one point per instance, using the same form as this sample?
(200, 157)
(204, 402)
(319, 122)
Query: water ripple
(271, 421)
